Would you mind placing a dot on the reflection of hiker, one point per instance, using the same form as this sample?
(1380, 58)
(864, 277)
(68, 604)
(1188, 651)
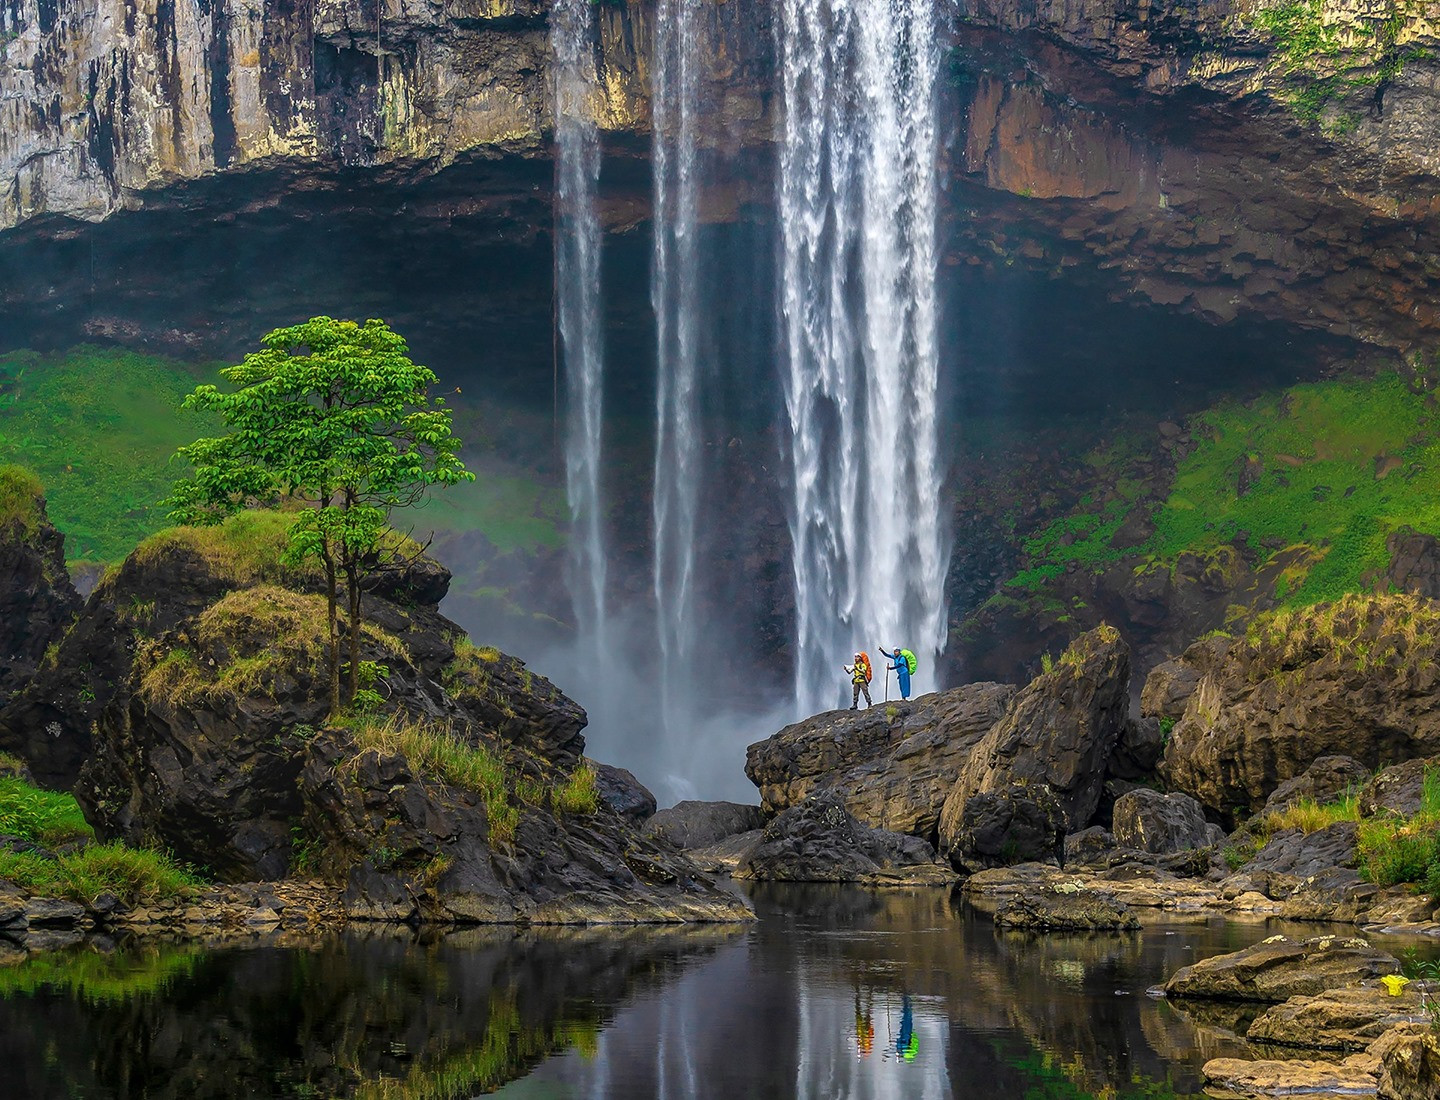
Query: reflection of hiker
(907, 1043)
(859, 680)
(904, 663)
(864, 1028)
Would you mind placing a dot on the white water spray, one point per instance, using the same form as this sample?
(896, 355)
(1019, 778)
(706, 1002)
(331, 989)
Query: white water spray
(577, 288)
(857, 207)
(673, 292)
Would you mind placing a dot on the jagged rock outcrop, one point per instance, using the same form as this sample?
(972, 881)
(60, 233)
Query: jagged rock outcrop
(1279, 968)
(1056, 909)
(460, 796)
(1160, 823)
(892, 765)
(37, 600)
(1049, 751)
(818, 841)
(1355, 678)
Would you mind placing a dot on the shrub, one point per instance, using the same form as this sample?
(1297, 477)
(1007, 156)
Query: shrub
(1393, 851)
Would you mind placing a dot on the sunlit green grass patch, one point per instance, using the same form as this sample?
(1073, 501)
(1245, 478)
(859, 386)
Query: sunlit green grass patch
(99, 427)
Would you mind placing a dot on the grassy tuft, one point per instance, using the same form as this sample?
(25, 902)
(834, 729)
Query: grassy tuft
(1309, 816)
(45, 817)
(434, 749)
(580, 793)
(20, 496)
(247, 548)
(131, 874)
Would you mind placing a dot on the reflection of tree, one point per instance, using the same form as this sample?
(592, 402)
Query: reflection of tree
(100, 976)
(377, 1015)
(508, 1049)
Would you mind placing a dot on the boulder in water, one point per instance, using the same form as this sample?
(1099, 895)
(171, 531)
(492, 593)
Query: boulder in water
(1279, 968)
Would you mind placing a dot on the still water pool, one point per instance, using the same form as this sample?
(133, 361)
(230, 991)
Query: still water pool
(834, 992)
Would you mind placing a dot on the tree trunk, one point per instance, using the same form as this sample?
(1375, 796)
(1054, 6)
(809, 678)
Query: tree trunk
(352, 582)
(332, 597)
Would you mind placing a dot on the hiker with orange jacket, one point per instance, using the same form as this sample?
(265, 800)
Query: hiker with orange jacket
(860, 680)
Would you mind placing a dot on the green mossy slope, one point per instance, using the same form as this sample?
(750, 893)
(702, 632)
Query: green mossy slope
(1335, 466)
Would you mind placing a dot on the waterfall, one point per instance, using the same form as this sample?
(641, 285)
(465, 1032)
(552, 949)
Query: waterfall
(674, 278)
(577, 289)
(858, 302)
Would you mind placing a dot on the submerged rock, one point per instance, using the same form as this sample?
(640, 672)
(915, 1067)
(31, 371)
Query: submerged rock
(1280, 968)
(818, 841)
(1066, 907)
(695, 824)
(893, 765)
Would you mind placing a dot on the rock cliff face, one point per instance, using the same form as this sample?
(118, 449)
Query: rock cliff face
(1219, 158)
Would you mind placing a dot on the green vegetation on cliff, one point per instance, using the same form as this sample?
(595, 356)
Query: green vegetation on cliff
(1323, 473)
(98, 426)
(20, 493)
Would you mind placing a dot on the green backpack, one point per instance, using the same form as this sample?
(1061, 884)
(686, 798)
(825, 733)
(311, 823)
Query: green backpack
(911, 664)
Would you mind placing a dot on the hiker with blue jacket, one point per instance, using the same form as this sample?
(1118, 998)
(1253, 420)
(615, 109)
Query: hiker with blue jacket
(903, 664)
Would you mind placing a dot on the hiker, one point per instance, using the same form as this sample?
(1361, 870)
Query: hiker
(903, 664)
(860, 680)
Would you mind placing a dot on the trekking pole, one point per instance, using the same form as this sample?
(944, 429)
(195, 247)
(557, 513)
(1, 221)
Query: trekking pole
(887, 683)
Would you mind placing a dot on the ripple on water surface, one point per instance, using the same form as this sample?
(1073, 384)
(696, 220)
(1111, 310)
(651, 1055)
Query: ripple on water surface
(834, 992)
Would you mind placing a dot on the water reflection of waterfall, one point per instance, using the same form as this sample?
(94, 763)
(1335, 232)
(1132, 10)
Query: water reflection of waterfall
(577, 291)
(857, 208)
(673, 287)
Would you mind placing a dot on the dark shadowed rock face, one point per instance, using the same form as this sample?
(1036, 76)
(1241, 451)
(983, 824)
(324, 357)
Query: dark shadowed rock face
(1050, 750)
(1333, 679)
(998, 828)
(695, 824)
(623, 793)
(818, 841)
(891, 765)
(37, 600)
(214, 742)
(1326, 780)
(1304, 854)
(1280, 968)
(1159, 823)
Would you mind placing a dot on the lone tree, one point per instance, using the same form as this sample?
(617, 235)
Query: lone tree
(335, 415)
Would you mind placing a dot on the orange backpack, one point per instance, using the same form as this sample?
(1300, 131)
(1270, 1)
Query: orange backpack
(864, 663)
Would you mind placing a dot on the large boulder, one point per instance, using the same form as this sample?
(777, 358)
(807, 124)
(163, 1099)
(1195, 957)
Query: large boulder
(1279, 968)
(1293, 852)
(623, 793)
(1159, 823)
(1057, 909)
(1400, 789)
(818, 841)
(1350, 678)
(1327, 779)
(1050, 748)
(1409, 1062)
(695, 824)
(892, 765)
(1170, 684)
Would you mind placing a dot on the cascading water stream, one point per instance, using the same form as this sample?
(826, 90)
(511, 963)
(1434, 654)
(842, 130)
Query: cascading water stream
(674, 280)
(577, 288)
(858, 301)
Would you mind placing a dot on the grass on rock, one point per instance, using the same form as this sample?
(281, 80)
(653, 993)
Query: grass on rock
(20, 493)
(48, 818)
